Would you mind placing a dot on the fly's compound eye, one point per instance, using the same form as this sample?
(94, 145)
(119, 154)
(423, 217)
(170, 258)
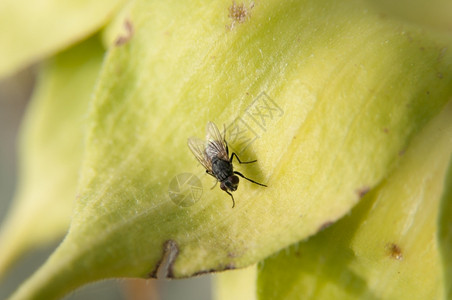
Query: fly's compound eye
(234, 180)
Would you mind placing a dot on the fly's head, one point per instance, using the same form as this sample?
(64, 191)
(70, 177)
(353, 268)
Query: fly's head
(231, 183)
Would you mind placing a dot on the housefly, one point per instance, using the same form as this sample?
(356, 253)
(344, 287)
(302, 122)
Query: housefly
(213, 154)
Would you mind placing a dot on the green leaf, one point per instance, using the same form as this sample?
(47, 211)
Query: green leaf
(51, 147)
(33, 30)
(347, 90)
(387, 248)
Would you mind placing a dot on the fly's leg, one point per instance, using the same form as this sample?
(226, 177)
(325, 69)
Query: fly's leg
(232, 197)
(224, 140)
(241, 162)
(216, 180)
(243, 176)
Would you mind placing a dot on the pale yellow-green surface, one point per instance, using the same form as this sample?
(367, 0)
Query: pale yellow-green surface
(33, 30)
(387, 248)
(350, 90)
(51, 147)
(236, 284)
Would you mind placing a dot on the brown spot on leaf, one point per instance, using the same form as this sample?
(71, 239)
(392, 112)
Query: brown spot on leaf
(122, 39)
(362, 191)
(394, 251)
(239, 13)
(325, 225)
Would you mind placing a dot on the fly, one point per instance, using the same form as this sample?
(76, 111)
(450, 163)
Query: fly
(213, 154)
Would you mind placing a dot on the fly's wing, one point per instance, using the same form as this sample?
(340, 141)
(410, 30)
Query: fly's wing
(216, 146)
(198, 148)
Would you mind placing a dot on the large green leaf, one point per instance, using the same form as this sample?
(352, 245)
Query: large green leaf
(345, 89)
(387, 248)
(51, 147)
(32, 30)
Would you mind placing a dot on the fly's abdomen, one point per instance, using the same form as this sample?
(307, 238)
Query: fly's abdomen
(221, 169)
